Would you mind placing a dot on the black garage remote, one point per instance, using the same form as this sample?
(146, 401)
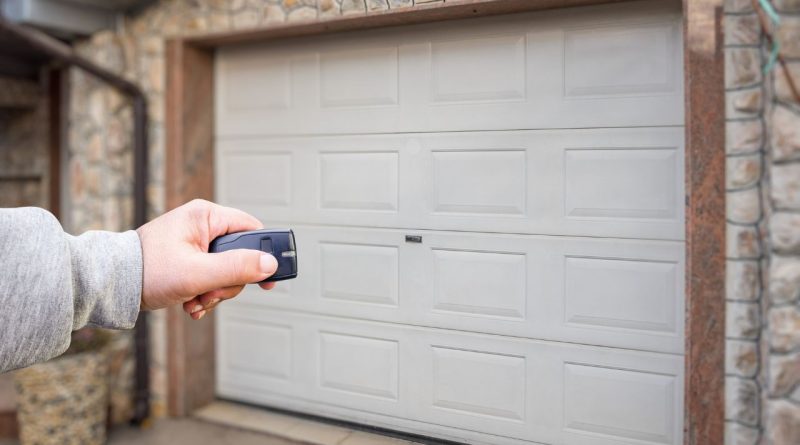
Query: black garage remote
(278, 242)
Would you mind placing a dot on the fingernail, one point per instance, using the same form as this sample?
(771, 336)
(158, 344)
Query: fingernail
(196, 308)
(268, 264)
(200, 314)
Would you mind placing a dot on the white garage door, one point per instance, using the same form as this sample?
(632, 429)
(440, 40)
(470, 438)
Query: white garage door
(489, 215)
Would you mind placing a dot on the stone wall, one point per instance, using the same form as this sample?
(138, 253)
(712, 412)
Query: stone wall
(763, 200)
(23, 145)
(23, 180)
(763, 181)
(782, 323)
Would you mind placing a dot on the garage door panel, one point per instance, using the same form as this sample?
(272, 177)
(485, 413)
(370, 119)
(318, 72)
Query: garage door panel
(356, 366)
(360, 365)
(500, 395)
(257, 354)
(539, 391)
(359, 273)
(622, 398)
(269, 173)
(479, 181)
(621, 293)
(366, 180)
(607, 60)
(636, 405)
(272, 79)
(335, 362)
(489, 217)
(260, 349)
(575, 182)
(617, 183)
(605, 292)
(476, 388)
(629, 295)
(492, 284)
(556, 401)
(559, 69)
(503, 78)
(630, 183)
(343, 83)
(257, 180)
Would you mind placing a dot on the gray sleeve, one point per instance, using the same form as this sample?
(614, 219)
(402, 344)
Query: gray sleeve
(52, 283)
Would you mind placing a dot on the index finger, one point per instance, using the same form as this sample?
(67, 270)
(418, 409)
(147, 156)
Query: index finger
(224, 220)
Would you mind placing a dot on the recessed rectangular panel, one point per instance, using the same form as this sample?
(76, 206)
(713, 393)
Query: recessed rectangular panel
(621, 183)
(479, 181)
(257, 178)
(620, 60)
(262, 349)
(359, 180)
(480, 283)
(484, 69)
(614, 69)
(360, 365)
(479, 383)
(359, 273)
(625, 404)
(257, 82)
(363, 77)
(619, 293)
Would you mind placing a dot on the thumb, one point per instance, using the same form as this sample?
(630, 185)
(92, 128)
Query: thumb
(234, 268)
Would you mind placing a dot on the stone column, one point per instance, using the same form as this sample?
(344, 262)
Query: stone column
(745, 144)
(782, 398)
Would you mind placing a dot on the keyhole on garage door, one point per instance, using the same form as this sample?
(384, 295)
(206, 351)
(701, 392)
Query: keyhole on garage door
(413, 238)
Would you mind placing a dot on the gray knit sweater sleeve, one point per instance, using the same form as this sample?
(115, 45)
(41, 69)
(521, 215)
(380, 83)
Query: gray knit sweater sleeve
(52, 283)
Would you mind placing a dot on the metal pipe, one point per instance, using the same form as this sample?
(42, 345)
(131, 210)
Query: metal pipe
(141, 340)
(58, 50)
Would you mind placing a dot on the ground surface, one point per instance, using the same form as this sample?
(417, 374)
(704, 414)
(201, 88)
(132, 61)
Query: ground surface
(188, 431)
(231, 423)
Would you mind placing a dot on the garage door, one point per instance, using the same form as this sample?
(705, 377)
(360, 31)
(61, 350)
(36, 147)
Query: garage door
(489, 216)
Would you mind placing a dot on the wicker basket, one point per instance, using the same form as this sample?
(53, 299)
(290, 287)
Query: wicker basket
(64, 401)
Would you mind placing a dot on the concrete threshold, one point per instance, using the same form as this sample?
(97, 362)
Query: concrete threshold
(302, 431)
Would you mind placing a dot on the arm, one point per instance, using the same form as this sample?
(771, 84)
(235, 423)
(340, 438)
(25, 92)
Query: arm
(52, 283)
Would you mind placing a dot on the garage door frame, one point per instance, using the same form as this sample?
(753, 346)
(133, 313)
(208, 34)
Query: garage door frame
(190, 154)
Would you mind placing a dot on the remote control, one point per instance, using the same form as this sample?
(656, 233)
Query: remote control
(278, 242)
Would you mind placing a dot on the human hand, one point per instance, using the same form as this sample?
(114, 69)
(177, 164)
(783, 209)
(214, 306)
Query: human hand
(179, 269)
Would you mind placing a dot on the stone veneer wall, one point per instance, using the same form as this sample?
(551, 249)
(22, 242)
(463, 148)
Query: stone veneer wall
(763, 181)
(763, 213)
(24, 179)
(23, 145)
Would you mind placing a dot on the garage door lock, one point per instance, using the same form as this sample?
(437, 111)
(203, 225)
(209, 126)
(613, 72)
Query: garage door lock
(413, 238)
